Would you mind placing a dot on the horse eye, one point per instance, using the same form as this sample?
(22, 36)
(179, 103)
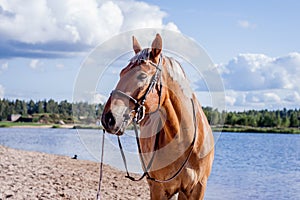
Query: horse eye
(142, 76)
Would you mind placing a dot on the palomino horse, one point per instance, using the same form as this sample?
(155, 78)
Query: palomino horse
(176, 141)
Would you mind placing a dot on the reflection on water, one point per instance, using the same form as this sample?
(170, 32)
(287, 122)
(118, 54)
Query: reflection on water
(246, 166)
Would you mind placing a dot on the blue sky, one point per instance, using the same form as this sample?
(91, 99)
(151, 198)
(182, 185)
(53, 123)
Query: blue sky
(254, 44)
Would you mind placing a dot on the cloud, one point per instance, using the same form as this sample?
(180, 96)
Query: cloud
(36, 64)
(259, 81)
(98, 98)
(268, 99)
(3, 66)
(53, 28)
(246, 24)
(248, 72)
(1, 92)
(293, 97)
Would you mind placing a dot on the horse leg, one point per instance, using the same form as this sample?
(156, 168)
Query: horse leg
(157, 195)
(182, 196)
(157, 192)
(199, 190)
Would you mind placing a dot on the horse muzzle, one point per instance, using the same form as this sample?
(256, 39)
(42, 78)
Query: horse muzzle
(115, 123)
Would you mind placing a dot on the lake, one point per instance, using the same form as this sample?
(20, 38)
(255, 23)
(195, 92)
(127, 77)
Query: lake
(246, 165)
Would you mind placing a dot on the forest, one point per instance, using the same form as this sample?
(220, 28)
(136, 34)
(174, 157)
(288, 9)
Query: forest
(51, 111)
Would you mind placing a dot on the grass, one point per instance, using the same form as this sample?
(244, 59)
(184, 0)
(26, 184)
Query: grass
(249, 129)
(7, 124)
(11, 124)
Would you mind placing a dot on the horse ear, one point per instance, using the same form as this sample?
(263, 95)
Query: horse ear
(156, 46)
(136, 46)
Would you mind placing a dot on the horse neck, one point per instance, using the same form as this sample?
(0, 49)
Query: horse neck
(177, 106)
(175, 119)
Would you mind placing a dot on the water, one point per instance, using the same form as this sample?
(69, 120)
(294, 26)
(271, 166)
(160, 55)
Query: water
(256, 166)
(246, 165)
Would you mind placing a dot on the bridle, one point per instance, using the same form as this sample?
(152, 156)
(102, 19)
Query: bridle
(139, 108)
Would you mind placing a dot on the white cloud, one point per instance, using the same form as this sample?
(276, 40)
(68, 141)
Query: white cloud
(246, 24)
(271, 97)
(72, 21)
(293, 97)
(90, 97)
(267, 99)
(229, 100)
(3, 67)
(98, 98)
(171, 26)
(36, 64)
(1, 92)
(248, 72)
(259, 81)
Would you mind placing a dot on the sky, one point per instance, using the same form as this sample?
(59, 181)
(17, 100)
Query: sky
(254, 45)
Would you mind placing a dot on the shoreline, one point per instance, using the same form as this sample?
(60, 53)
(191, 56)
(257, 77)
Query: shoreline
(249, 129)
(234, 129)
(39, 125)
(35, 175)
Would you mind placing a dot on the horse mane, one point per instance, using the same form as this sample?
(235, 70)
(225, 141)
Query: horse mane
(142, 55)
(137, 59)
(178, 75)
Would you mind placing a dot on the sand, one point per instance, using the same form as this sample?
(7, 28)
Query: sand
(33, 175)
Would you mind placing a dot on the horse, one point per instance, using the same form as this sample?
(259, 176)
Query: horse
(176, 143)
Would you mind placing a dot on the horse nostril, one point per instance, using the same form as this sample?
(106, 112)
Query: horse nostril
(110, 120)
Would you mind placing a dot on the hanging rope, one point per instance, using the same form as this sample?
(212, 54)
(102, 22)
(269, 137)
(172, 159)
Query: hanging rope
(101, 167)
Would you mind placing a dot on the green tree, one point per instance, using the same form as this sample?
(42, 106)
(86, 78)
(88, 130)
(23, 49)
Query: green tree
(40, 107)
(65, 108)
(17, 107)
(294, 120)
(24, 108)
(51, 106)
(3, 108)
(31, 107)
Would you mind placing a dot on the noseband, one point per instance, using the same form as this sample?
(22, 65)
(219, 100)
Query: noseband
(139, 108)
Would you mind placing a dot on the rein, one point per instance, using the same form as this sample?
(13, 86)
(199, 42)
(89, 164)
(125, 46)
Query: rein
(101, 167)
(147, 168)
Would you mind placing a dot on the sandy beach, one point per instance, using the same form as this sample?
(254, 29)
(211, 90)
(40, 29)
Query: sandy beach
(33, 175)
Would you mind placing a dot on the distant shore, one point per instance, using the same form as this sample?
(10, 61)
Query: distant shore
(41, 125)
(249, 129)
(240, 129)
(33, 175)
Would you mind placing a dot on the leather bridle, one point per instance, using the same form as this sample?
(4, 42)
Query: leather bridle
(139, 108)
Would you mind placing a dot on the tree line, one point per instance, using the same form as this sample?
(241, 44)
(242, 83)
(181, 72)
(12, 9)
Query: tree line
(52, 111)
(283, 118)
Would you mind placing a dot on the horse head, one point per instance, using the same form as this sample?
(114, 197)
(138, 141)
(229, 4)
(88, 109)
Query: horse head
(138, 90)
